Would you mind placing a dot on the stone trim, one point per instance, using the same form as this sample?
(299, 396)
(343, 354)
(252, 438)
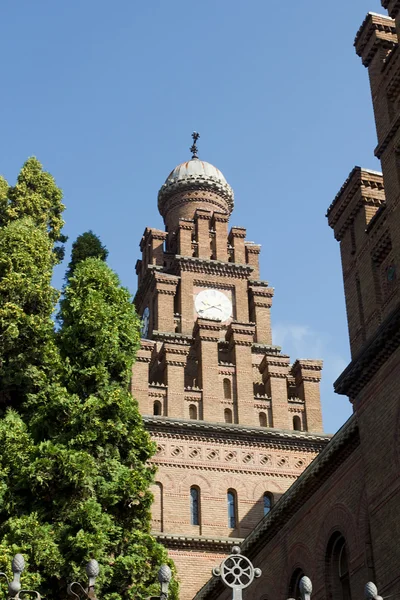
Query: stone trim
(196, 183)
(197, 542)
(240, 433)
(213, 267)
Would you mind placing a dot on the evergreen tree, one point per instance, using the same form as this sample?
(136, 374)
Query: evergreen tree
(27, 300)
(86, 245)
(36, 195)
(74, 477)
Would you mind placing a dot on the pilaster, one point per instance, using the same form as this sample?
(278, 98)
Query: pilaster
(140, 376)
(185, 234)
(202, 220)
(252, 252)
(236, 239)
(220, 225)
(307, 374)
(165, 289)
(240, 337)
(260, 308)
(173, 356)
(207, 334)
(275, 371)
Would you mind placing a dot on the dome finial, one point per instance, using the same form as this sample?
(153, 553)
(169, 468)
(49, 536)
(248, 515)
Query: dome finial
(194, 148)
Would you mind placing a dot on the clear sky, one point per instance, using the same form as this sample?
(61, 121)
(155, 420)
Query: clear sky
(106, 95)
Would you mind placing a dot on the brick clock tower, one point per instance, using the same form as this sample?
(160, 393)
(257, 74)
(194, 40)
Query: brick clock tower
(234, 421)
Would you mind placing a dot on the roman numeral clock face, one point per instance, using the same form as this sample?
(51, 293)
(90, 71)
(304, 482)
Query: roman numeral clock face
(213, 304)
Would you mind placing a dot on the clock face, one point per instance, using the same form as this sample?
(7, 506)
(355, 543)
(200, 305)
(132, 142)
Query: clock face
(145, 322)
(213, 304)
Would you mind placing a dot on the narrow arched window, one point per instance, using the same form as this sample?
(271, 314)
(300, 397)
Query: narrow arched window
(263, 419)
(227, 389)
(228, 415)
(296, 423)
(194, 505)
(294, 584)
(268, 502)
(338, 580)
(157, 507)
(232, 509)
(193, 411)
(157, 408)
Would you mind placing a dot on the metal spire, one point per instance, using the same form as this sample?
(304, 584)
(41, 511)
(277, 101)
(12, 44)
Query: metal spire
(194, 148)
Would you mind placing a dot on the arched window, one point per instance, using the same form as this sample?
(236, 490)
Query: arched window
(294, 584)
(228, 415)
(296, 423)
(157, 408)
(157, 506)
(193, 411)
(232, 508)
(338, 580)
(227, 389)
(194, 505)
(263, 419)
(268, 502)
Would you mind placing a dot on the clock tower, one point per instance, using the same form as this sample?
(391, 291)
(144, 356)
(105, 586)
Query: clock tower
(235, 422)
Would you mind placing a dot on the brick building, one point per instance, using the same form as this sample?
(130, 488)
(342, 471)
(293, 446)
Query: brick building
(339, 522)
(235, 422)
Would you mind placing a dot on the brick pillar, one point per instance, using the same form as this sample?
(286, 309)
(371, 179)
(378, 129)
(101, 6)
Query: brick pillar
(140, 377)
(220, 224)
(240, 337)
(275, 370)
(308, 376)
(202, 220)
(236, 239)
(165, 288)
(185, 232)
(173, 357)
(260, 308)
(207, 335)
(252, 252)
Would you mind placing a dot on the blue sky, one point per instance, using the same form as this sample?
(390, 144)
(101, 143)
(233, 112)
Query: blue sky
(106, 95)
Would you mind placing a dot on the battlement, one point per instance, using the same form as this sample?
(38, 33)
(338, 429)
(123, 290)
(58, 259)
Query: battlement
(167, 380)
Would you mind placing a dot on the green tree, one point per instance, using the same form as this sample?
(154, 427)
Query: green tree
(74, 472)
(27, 300)
(86, 245)
(36, 195)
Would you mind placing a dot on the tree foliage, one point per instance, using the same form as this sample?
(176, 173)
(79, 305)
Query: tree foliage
(27, 300)
(86, 245)
(74, 472)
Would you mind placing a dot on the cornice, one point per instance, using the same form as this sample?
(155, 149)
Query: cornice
(235, 433)
(375, 31)
(197, 542)
(213, 267)
(392, 6)
(341, 446)
(372, 356)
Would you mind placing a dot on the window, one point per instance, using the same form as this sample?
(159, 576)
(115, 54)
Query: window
(268, 502)
(157, 507)
(232, 509)
(263, 419)
(228, 415)
(194, 505)
(227, 389)
(296, 423)
(157, 408)
(338, 580)
(193, 411)
(294, 584)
